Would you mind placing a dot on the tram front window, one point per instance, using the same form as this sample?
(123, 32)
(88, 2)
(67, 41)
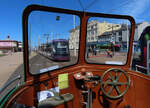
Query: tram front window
(107, 40)
(52, 41)
(62, 48)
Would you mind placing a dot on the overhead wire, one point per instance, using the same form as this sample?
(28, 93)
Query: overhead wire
(94, 1)
(124, 4)
(91, 4)
(121, 5)
(81, 5)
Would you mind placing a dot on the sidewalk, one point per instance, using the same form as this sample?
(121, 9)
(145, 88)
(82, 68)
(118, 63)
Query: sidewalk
(8, 64)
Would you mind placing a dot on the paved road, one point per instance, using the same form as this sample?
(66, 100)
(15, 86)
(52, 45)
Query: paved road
(8, 64)
(13, 66)
(40, 62)
(103, 58)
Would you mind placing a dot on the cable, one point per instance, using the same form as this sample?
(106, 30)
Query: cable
(81, 5)
(121, 5)
(92, 3)
(124, 5)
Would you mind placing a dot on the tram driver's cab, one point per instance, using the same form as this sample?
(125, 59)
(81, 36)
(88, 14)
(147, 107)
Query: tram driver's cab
(98, 73)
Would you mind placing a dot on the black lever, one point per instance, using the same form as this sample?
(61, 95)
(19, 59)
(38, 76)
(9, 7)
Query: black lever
(95, 78)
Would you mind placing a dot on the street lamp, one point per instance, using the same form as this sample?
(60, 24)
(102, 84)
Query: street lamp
(74, 35)
(113, 41)
(46, 36)
(112, 27)
(127, 37)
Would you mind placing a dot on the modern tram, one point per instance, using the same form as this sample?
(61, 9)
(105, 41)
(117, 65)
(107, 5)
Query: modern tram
(57, 50)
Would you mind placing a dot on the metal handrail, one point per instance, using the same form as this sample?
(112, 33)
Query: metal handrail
(9, 82)
(140, 67)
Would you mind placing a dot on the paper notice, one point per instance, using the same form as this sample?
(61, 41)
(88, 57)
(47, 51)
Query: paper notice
(63, 81)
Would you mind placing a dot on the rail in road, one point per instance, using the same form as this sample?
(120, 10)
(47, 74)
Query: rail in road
(40, 62)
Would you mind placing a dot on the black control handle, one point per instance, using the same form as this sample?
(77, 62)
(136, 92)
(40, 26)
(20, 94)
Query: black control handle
(95, 78)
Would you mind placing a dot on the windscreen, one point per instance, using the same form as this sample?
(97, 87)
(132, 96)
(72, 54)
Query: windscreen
(107, 40)
(61, 47)
(52, 42)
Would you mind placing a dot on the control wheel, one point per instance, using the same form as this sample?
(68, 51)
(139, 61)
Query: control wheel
(114, 83)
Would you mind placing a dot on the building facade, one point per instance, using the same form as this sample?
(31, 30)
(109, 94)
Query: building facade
(94, 30)
(115, 36)
(10, 46)
(139, 29)
(122, 35)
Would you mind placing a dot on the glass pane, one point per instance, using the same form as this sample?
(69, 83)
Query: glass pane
(149, 51)
(51, 42)
(107, 40)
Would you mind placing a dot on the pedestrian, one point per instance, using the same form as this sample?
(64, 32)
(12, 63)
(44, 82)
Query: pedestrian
(10, 52)
(94, 51)
(87, 52)
(109, 53)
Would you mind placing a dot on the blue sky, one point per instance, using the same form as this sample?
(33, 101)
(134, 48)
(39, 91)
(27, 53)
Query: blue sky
(11, 11)
(45, 23)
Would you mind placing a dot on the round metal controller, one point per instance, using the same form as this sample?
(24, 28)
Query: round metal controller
(111, 80)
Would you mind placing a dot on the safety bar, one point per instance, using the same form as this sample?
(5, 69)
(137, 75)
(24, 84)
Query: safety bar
(9, 82)
(138, 66)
